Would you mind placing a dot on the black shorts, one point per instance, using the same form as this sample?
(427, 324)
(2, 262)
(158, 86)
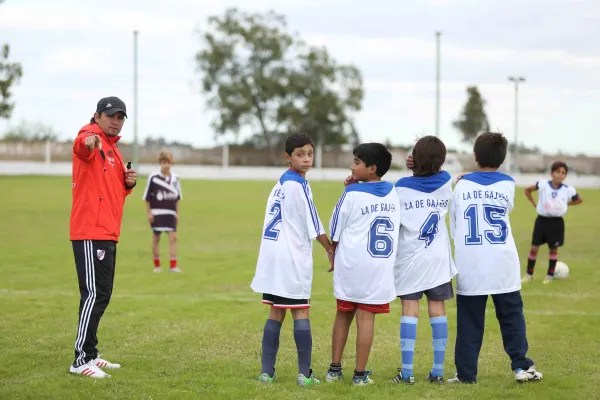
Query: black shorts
(284, 302)
(550, 230)
(164, 223)
(438, 293)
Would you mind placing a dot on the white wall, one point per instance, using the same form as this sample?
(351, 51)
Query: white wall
(255, 173)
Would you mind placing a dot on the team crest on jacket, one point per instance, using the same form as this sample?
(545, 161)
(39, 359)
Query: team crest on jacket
(100, 254)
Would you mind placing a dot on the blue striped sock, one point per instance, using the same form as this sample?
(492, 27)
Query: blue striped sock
(408, 335)
(439, 330)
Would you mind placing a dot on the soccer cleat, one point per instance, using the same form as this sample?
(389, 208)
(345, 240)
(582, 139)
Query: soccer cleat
(455, 380)
(435, 379)
(157, 269)
(527, 278)
(547, 279)
(101, 363)
(363, 380)
(530, 375)
(89, 370)
(310, 381)
(401, 379)
(176, 269)
(265, 378)
(334, 376)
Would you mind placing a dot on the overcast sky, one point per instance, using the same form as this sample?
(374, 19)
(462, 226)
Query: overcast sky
(75, 52)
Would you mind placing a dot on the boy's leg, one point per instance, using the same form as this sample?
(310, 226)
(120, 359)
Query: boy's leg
(173, 249)
(339, 336)
(365, 329)
(156, 250)
(509, 311)
(408, 332)
(552, 260)
(556, 238)
(270, 340)
(538, 238)
(303, 338)
(436, 298)
(470, 322)
(531, 259)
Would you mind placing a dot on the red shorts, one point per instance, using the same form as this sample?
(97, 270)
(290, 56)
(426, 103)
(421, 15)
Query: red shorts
(348, 306)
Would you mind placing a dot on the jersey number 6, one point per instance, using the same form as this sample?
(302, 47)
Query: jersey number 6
(381, 244)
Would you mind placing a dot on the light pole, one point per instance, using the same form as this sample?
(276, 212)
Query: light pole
(516, 80)
(438, 35)
(135, 101)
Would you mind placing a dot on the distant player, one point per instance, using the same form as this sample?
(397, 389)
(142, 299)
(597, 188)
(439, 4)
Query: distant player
(553, 199)
(162, 196)
(364, 229)
(424, 262)
(487, 262)
(284, 269)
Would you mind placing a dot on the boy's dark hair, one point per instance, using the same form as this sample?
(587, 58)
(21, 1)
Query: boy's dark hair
(559, 164)
(374, 154)
(297, 140)
(429, 154)
(490, 149)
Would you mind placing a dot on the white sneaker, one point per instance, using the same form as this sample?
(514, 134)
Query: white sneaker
(101, 363)
(157, 269)
(176, 269)
(527, 278)
(90, 370)
(530, 375)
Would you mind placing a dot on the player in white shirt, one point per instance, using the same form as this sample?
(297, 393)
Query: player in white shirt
(364, 231)
(285, 264)
(424, 262)
(553, 199)
(487, 262)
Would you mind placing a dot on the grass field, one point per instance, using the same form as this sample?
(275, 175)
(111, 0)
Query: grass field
(197, 335)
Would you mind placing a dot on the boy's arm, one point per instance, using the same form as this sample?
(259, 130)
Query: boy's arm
(528, 191)
(149, 212)
(146, 197)
(177, 210)
(575, 197)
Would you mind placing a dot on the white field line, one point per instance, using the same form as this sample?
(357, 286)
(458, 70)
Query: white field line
(251, 297)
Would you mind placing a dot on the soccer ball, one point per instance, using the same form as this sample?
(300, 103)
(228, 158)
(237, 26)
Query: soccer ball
(561, 271)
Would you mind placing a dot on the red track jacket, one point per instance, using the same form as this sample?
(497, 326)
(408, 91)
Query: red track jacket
(98, 188)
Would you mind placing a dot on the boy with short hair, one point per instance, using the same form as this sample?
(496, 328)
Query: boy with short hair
(424, 262)
(162, 196)
(553, 200)
(488, 263)
(284, 269)
(364, 231)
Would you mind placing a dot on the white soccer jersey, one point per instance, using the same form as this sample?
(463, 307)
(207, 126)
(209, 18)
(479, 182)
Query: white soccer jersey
(285, 262)
(424, 258)
(365, 223)
(553, 202)
(484, 249)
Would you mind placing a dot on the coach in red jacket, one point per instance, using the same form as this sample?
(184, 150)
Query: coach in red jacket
(101, 181)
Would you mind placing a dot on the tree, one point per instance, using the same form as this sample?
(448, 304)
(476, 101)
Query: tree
(30, 132)
(258, 76)
(473, 119)
(10, 74)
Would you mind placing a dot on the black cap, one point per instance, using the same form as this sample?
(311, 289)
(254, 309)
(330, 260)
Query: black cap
(111, 105)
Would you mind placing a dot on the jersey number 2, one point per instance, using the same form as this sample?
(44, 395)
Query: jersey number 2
(493, 216)
(381, 243)
(429, 229)
(272, 231)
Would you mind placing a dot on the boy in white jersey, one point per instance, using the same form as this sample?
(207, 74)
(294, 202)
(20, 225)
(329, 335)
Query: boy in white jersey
(424, 262)
(364, 231)
(487, 262)
(285, 265)
(553, 199)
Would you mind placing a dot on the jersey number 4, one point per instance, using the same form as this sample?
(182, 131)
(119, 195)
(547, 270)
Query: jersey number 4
(493, 216)
(272, 230)
(429, 229)
(381, 243)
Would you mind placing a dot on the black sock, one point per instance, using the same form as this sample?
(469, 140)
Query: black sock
(335, 367)
(359, 373)
(530, 266)
(551, 267)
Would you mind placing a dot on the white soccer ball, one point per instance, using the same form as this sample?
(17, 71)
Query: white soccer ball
(561, 271)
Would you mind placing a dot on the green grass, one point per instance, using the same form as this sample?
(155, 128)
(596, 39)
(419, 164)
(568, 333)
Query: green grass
(197, 335)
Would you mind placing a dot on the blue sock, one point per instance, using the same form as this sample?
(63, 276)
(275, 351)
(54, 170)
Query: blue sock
(270, 345)
(408, 335)
(439, 331)
(303, 339)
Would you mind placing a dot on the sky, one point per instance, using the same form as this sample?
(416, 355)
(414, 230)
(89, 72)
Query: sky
(75, 52)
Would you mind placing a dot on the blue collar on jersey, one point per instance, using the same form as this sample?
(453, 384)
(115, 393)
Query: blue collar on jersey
(552, 186)
(379, 189)
(291, 175)
(487, 178)
(424, 184)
